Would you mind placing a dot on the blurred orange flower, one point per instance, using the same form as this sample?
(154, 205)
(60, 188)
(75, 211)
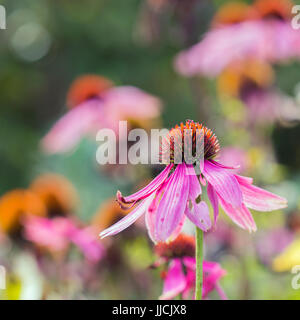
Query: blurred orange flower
(57, 193)
(17, 204)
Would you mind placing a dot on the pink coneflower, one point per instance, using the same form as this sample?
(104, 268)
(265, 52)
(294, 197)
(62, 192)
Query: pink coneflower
(262, 32)
(96, 104)
(57, 234)
(179, 278)
(176, 193)
(252, 82)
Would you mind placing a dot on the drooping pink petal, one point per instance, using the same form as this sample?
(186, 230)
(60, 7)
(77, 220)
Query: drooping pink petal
(150, 224)
(224, 183)
(174, 282)
(196, 211)
(259, 199)
(150, 217)
(178, 229)
(221, 165)
(149, 189)
(241, 216)
(172, 204)
(242, 179)
(213, 197)
(195, 187)
(128, 220)
(199, 215)
(67, 132)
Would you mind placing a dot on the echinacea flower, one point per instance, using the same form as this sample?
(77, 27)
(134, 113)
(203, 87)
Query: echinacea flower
(49, 233)
(58, 233)
(96, 104)
(85, 88)
(252, 82)
(261, 32)
(16, 205)
(180, 275)
(176, 193)
(57, 193)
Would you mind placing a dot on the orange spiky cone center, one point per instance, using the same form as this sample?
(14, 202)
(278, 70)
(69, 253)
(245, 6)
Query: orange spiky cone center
(192, 139)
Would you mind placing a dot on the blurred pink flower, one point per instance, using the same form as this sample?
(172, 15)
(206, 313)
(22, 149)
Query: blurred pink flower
(262, 32)
(57, 234)
(101, 110)
(251, 81)
(52, 234)
(221, 47)
(174, 194)
(71, 128)
(181, 265)
(180, 278)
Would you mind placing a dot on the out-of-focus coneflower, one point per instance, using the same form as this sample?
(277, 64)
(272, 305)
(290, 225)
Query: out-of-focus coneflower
(261, 32)
(179, 278)
(57, 193)
(252, 83)
(86, 88)
(274, 9)
(16, 205)
(176, 192)
(58, 233)
(50, 234)
(85, 99)
(96, 104)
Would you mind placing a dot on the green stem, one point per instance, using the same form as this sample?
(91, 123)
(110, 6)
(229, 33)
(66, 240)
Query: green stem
(199, 264)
